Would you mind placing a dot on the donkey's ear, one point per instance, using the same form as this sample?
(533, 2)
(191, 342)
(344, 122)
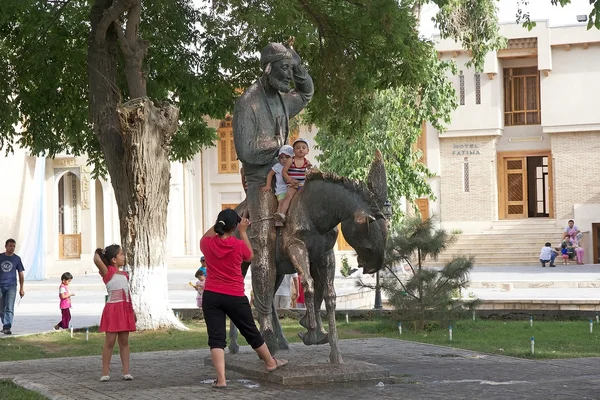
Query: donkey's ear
(376, 180)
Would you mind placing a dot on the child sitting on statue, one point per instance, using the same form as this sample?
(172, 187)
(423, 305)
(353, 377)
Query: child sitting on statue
(294, 174)
(285, 155)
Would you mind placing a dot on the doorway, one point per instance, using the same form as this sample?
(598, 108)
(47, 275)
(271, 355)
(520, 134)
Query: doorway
(69, 237)
(524, 185)
(596, 243)
(538, 202)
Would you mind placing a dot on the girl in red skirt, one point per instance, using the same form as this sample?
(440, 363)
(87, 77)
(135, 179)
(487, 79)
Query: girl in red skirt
(118, 318)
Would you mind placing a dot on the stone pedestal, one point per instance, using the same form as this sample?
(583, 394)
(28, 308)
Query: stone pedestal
(307, 365)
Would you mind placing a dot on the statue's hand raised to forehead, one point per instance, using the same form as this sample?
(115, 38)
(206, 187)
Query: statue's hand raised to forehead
(296, 60)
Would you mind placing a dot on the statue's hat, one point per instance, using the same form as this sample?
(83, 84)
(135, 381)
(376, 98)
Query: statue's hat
(273, 52)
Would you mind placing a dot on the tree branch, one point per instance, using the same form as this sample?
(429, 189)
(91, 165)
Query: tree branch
(400, 282)
(123, 43)
(110, 15)
(133, 22)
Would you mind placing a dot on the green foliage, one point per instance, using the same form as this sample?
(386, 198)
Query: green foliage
(474, 23)
(429, 293)
(394, 128)
(524, 17)
(352, 50)
(10, 390)
(43, 48)
(199, 58)
(345, 269)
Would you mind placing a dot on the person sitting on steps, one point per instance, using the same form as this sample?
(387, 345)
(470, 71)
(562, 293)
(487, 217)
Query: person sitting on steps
(294, 174)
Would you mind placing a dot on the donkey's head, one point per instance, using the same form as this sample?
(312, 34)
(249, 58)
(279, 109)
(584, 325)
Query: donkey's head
(367, 231)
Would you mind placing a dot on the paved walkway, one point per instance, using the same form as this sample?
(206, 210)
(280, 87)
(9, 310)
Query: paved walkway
(419, 372)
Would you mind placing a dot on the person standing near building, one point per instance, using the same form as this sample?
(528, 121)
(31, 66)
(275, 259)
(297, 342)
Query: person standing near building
(10, 265)
(64, 294)
(287, 291)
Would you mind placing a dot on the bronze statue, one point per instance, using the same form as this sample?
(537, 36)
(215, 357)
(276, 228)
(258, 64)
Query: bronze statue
(308, 239)
(260, 127)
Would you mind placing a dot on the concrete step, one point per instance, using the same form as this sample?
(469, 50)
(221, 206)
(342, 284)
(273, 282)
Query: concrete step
(494, 256)
(505, 236)
(530, 247)
(507, 242)
(510, 284)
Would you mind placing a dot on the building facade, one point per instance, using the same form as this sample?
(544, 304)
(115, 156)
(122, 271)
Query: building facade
(59, 214)
(525, 138)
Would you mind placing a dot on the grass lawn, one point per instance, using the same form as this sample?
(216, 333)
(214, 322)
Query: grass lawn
(553, 339)
(10, 391)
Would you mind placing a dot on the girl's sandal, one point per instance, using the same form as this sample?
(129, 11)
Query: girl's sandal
(280, 363)
(215, 386)
(127, 377)
(104, 378)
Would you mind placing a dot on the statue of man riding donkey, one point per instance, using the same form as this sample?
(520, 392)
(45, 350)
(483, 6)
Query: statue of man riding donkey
(305, 244)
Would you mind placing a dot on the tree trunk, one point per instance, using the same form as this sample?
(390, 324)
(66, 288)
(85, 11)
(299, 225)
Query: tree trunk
(142, 201)
(135, 138)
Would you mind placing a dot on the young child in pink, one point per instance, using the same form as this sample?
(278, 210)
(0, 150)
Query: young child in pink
(118, 318)
(65, 301)
(199, 286)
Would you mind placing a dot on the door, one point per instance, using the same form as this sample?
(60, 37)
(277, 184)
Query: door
(525, 184)
(596, 242)
(515, 184)
(538, 190)
(423, 206)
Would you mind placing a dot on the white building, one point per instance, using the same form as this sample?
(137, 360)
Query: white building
(524, 142)
(59, 215)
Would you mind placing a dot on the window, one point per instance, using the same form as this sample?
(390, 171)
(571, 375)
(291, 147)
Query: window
(461, 82)
(521, 96)
(477, 88)
(228, 163)
(421, 144)
(466, 185)
(230, 205)
(293, 135)
(341, 241)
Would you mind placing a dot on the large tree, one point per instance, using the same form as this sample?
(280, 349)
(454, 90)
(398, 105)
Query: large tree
(129, 82)
(79, 77)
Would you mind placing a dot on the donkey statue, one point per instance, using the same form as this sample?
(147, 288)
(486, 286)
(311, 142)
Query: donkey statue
(305, 245)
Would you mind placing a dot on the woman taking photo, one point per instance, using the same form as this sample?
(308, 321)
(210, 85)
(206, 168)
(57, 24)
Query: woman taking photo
(224, 292)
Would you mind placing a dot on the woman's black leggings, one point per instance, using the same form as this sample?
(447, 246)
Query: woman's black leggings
(216, 306)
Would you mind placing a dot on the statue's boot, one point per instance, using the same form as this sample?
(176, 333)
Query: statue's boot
(234, 348)
(304, 324)
(314, 337)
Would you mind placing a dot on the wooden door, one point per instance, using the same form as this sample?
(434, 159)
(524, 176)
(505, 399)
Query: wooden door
(596, 243)
(423, 206)
(515, 187)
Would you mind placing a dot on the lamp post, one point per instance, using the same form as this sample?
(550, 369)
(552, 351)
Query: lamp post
(378, 304)
(387, 212)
